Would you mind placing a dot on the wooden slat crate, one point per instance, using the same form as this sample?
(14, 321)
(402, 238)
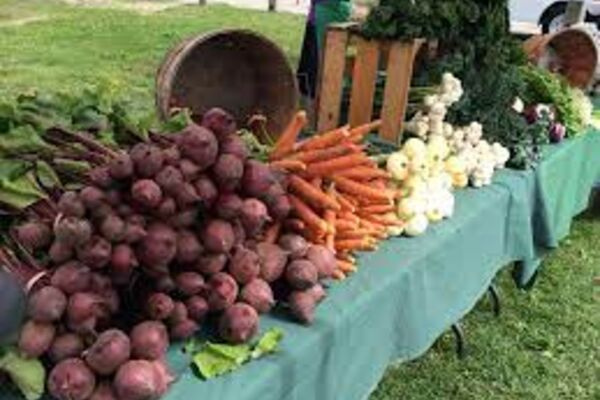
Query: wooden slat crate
(346, 53)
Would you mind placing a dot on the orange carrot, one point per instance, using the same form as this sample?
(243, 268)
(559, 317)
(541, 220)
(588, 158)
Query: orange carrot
(272, 233)
(378, 209)
(285, 143)
(317, 182)
(359, 190)
(345, 256)
(358, 134)
(335, 165)
(345, 266)
(326, 139)
(363, 173)
(354, 245)
(352, 234)
(346, 204)
(306, 214)
(345, 225)
(289, 165)
(339, 275)
(314, 196)
(330, 218)
(310, 156)
(294, 225)
(349, 216)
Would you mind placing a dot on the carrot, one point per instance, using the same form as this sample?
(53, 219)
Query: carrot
(345, 266)
(317, 182)
(346, 204)
(349, 216)
(314, 196)
(272, 233)
(285, 143)
(339, 275)
(294, 225)
(354, 245)
(330, 218)
(289, 165)
(352, 234)
(358, 134)
(359, 190)
(309, 156)
(378, 209)
(345, 256)
(326, 139)
(363, 173)
(306, 214)
(325, 168)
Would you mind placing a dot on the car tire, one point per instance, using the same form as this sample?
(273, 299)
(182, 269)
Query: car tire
(551, 14)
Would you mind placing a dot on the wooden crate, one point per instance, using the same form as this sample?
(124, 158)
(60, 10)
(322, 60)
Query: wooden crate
(347, 53)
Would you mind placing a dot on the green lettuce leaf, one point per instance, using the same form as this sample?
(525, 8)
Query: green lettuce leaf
(28, 375)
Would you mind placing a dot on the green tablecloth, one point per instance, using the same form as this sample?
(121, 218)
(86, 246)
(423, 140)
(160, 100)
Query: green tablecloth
(410, 291)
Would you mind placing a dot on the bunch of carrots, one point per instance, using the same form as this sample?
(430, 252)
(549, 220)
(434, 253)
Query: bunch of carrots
(339, 196)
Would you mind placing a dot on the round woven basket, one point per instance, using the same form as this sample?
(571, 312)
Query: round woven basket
(237, 70)
(570, 52)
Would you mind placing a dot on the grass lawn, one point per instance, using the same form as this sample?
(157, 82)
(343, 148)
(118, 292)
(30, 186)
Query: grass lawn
(546, 344)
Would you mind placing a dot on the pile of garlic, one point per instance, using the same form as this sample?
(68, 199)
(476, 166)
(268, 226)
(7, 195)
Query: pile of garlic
(472, 159)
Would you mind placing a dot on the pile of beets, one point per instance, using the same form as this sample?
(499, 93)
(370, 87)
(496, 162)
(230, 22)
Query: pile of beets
(166, 239)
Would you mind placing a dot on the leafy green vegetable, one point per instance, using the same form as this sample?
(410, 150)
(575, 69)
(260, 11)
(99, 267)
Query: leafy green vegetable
(28, 375)
(213, 359)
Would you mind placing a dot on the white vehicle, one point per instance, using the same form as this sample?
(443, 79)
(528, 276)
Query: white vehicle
(548, 14)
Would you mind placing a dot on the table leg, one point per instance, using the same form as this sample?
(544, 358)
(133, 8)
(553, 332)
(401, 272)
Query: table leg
(461, 344)
(495, 297)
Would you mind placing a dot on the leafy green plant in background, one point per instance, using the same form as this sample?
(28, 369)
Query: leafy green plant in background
(28, 375)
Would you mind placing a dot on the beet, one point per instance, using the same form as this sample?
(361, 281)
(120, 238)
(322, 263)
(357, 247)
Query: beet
(186, 195)
(323, 259)
(71, 379)
(257, 179)
(159, 247)
(228, 206)
(100, 283)
(146, 193)
(36, 338)
(167, 208)
(272, 261)
(317, 292)
(238, 324)
(91, 197)
(222, 290)
(124, 210)
(159, 306)
(33, 235)
(96, 253)
(184, 330)
(254, 216)
(199, 145)
(207, 191)
(149, 340)
(296, 245)
(197, 308)
(189, 169)
(104, 391)
(83, 306)
(71, 277)
(65, 346)
(121, 167)
(114, 197)
(244, 265)
(70, 205)
(134, 232)
(258, 294)
(220, 122)
(171, 156)
(47, 305)
(302, 306)
(113, 228)
(189, 283)
(189, 248)
(218, 236)
(185, 218)
(147, 159)
(165, 284)
(110, 350)
(234, 145)
(301, 274)
(280, 208)
(228, 172)
(100, 176)
(169, 178)
(140, 380)
(72, 231)
(179, 314)
(211, 264)
(122, 263)
(102, 211)
(238, 232)
(60, 252)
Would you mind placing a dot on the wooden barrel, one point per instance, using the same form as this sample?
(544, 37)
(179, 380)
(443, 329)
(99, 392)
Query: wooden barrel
(570, 52)
(237, 70)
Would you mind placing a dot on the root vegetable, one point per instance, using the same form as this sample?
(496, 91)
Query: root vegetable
(83, 306)
(189, 169)
(317, 292)
(167, 208)
(238, 232)
(323, 259)
(199, 145)
(207, 191)
(169, 178)
(228, 206)
(159, 306)
(211, 264)
(189, 248)
(36, 338)
(147, 159)
(113, 228)
(179, 314)
(47, 305)
(302, 306)
(100, 176)
(184, 219)
(122, 263)
(67, 345)
(102, 211)
(114, 197)
(110, 350)
(91, 197)
(121, 167)
(71, 277)
(197, 308)
(71, 379)
(146, 193)
(257, 178)
(239, 323)
(159, 247)
(184, 330)
(244, 265)
(149, 340)
(96, 253)
(140, 380)
(220, 122)
(72, 231)
(165, 284)
(104, 391)
(254, 215)
(296, 245)
(279, 208)
(189, 283)
(234, 145)
(186, 195)
(70, 205)
(301, 274)
(60, 252)
(228, 172)
(258, 294)
(222, 290)
(218, 236)
(272, 261)
(34, 235)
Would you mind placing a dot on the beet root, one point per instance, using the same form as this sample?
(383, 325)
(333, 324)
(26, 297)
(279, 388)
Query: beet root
(110, 350)
(189, 169)
(179, 314)
(197, 308)
(211, 264)
(100, 176)
(218, 236)
(122, 264)
(220, 122)
(60, 252)
(280, 207)
(207, 191)
(222, 290)
(70, 205)
(323, 259)
(71, 379)
(228, 172)
(72, 277)
(258, 294)
(185, 218)
(149, 340)
(318, 293)
(36, 338)
(146, 193)
(159, 247)
(147, 159)
(302, 306)
(228, 206)
(121, 167)
(141, 380)
(189, 248)
(33, 235)
(184, 330)
(238, 324)
(47, 304)
(257, 178)
(272, 261)
(234, 145)
(72, 231)
(96, 253)
(254, 215)
(199, 145)
(169, 179)
(104, 391)
(67, 345)
(301, 274)
(296, 245)
(244, 265)
(159, 306)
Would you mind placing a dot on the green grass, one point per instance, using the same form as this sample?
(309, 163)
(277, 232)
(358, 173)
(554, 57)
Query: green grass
(546, 345)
